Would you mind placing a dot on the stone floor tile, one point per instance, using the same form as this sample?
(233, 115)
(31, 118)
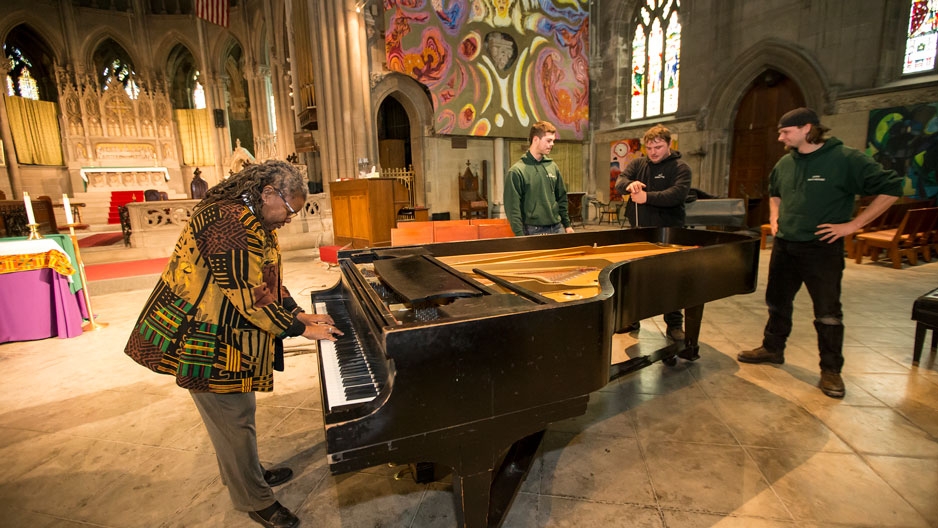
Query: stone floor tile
(596, 468)
(686, 519)
(833, 488)
(720, 479)
(780, 423)
(896, 435)
(915, 479)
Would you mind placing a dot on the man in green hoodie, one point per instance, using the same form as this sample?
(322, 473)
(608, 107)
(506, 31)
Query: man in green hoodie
(535, 197)
(812, 193)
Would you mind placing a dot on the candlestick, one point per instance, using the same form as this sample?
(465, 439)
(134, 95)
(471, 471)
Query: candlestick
(33, 232)
(30, 217)
(91, 324)
(68, 210)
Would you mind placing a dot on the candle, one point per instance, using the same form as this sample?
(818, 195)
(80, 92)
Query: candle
(30, 218)
(68, 210)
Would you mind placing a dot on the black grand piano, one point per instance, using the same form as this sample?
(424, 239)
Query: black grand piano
(467, 369)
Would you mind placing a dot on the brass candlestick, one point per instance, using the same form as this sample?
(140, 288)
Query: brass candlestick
(91, 324)
(34, 232)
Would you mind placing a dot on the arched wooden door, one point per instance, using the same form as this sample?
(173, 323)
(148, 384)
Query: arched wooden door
(755, 140)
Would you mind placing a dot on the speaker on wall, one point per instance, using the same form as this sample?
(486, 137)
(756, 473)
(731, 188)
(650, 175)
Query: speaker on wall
(219, 118)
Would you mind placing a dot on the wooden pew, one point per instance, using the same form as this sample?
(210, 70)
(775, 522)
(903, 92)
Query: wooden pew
(906, 240)
(13, 217)
(888, 219)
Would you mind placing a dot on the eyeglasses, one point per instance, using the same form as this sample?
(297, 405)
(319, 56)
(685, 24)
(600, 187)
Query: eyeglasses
(290, 209)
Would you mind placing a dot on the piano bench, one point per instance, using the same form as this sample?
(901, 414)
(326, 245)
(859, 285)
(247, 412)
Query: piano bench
(925, 315)
(765, 231)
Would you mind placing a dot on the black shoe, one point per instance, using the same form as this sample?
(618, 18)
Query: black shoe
(760, 355)
(832, 384)
(632, 327)
(276, 477)
(676, 333)
(280, 517)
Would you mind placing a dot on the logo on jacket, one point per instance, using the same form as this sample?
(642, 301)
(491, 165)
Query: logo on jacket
(817, 178)
(659, 175)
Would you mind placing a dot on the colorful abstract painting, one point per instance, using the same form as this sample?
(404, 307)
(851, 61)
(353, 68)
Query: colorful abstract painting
(495, 67)
(622, 152)
(905, 139)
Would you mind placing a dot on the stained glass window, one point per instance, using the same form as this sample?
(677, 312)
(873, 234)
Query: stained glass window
(656, 53)
(922, 37)
(198, 93)
(20, 81)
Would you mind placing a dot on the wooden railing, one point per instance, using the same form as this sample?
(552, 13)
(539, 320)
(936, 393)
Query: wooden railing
(406, 177)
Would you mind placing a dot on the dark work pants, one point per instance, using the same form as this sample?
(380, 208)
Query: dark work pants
(819, 266)
(229, 419)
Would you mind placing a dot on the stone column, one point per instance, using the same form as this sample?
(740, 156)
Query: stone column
(343, 94)
(6, 134)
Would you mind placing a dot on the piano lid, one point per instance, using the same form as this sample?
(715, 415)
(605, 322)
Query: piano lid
(418, 280)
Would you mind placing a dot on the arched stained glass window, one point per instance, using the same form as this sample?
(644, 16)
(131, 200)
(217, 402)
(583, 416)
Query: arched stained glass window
(20, 82)
(656, 54)
(198, 92)
(114, 65)
(922, 37)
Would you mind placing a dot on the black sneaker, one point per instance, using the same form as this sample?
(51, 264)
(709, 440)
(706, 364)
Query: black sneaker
(277, 476)
(632, 327)
(275, 516)
(761, 355)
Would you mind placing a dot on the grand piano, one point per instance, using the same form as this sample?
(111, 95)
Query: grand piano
(461, 354)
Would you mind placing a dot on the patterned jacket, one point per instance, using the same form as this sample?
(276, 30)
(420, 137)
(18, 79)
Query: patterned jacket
(216, 313)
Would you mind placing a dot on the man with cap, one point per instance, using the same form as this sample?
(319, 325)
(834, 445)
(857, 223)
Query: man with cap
(812, 193)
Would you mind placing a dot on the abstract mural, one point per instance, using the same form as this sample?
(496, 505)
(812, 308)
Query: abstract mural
(905, 139)
(622, 152)
(495, 67)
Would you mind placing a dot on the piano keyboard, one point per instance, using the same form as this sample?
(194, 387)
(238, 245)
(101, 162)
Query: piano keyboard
(349, 378)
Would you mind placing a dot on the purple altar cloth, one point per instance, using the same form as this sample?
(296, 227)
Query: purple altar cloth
(38, 304)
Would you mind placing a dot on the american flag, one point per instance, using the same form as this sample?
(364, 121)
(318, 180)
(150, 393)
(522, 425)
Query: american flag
(215, 11)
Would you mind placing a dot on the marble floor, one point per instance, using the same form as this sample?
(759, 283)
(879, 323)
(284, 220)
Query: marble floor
(89, 438)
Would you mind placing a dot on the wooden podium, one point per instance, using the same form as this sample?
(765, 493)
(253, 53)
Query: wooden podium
(365, 210)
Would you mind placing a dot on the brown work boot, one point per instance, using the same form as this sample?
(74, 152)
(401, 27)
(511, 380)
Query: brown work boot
(832, 384)
(760, 355)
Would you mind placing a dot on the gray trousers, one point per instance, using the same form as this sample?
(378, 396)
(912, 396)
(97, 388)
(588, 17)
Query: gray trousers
(229, 419)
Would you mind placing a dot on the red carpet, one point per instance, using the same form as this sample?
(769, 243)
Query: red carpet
(100, 239)
(120, 270)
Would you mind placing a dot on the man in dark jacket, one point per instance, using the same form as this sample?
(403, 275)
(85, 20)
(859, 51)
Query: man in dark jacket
(658, 185)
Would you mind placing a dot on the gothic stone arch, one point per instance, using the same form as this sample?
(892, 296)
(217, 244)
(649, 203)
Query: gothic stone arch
(718, 116)
(416, 102)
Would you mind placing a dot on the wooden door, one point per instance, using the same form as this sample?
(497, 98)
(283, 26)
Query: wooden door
(755, 140)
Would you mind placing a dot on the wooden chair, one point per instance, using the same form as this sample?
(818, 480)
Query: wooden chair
(472, 203)
(925, 240)
(609, 212)
(899, 242)
(888, 219)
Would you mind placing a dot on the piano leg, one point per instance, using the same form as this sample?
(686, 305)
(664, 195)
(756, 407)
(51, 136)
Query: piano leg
(693, 317)
(472, 496)
(483, 501)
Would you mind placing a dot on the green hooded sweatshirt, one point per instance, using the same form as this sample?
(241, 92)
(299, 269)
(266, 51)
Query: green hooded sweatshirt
(821, 187)
(535, 194)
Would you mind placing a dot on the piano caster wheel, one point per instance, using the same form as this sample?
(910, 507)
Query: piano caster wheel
(670, 361)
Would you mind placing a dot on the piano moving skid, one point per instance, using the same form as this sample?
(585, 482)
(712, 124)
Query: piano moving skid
(468, 370)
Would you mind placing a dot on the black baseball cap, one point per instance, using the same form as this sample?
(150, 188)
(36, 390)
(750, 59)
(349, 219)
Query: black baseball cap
(799, 117)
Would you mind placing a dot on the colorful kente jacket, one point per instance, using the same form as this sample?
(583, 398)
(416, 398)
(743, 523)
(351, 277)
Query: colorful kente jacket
(214, 319)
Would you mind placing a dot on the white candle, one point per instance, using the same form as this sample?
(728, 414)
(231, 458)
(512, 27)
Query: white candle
(68, 210)
(30, 218)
